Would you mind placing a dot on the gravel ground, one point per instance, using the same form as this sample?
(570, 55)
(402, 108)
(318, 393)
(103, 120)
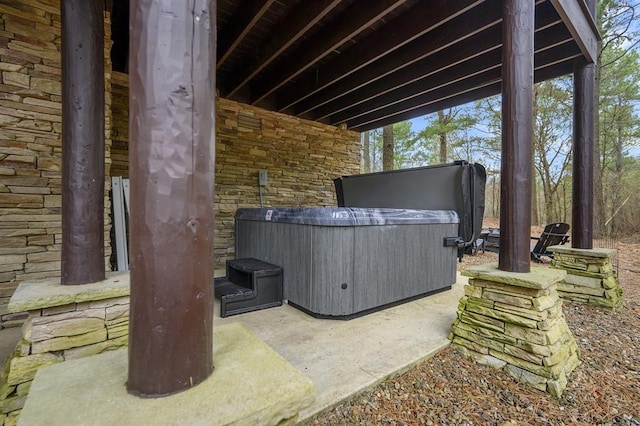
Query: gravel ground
(451, 389)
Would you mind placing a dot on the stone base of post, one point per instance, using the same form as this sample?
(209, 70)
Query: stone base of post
(514, 321)
(590, 276)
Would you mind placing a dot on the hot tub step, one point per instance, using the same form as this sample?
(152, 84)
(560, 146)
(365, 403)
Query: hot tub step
(250, 284)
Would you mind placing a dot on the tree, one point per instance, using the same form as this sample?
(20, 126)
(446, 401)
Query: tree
(619, 37)
(366, 152)
(404, 141)
(619, 128)
(552, 142)
(445, 131)
(387, 147)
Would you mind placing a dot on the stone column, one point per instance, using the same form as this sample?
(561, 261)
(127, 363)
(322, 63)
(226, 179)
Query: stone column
(83, 168)
(514, 321)
(517, 135)
(590, 276)
(172, 106)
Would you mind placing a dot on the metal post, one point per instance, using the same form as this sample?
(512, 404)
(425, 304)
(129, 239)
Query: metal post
(172, 79)
(82, 142)
(584, 119)
(517, 135)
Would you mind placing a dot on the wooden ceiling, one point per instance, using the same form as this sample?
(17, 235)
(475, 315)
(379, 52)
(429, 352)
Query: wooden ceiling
(367, 63)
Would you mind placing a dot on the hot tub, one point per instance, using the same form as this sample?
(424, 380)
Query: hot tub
(344, 262)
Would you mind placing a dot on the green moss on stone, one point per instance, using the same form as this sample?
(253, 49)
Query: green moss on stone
(32, 295)
(62, 343)
(503, 316)
(23, 369)
(538, 278)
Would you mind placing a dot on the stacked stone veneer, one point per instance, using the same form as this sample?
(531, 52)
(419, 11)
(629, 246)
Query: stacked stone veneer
(64, 322)
(301, 157)
(590, 276)
(120, 128)
(514, 321)
(31, 143)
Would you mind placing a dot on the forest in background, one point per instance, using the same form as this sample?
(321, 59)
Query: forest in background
(472, 133)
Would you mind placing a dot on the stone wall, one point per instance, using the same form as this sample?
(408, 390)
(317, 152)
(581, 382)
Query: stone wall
(120, 132)
(64, 322)
(30, 142)
(301, 158)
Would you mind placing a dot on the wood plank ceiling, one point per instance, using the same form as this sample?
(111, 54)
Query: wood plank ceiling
(367, 63)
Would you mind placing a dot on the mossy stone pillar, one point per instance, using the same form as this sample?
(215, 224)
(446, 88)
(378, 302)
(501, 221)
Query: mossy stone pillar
(590, 277)
(514, 321)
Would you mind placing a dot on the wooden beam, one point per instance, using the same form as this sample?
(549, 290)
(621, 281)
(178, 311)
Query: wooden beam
(542, 74)
(458, 99)
(351, 22)
(585, 115)
(303, 18)
(471, 56)
(429, 48)
(245, 18)
(481, 69)
(83, 170)
(172, 205)
(581, 25)
(517, 136)
(449, 83)
(419, 20)
(583, 139)
(431, 51)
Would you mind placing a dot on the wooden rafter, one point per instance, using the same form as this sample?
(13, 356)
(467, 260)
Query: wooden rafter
(419, 20)
(443, 75)
(427, 103)
(337, 62)
(303, 18)
(434, 42)
(351, 22)
(249, 13)
(581, 25)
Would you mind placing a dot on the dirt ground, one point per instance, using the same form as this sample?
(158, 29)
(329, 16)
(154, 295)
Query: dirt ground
(449, 389)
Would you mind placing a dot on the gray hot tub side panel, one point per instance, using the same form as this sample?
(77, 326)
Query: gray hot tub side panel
(331, 266)
(408, 263)
(278, 243)
(316, 260)
(379, 264)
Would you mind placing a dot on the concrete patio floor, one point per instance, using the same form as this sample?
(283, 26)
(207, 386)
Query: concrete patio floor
(342, 358)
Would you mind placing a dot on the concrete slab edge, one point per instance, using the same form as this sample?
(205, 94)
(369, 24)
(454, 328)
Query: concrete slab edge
(306, 418)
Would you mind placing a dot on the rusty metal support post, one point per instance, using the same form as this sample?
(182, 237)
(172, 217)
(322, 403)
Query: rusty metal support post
(517, 135)
(83, 177)
(584, 122)
(172, 106)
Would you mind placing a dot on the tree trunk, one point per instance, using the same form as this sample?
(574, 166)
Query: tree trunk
(387, 147)
(535, 216)
(598, 193)
(366, 147)
(443, 137)
(616, 196)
